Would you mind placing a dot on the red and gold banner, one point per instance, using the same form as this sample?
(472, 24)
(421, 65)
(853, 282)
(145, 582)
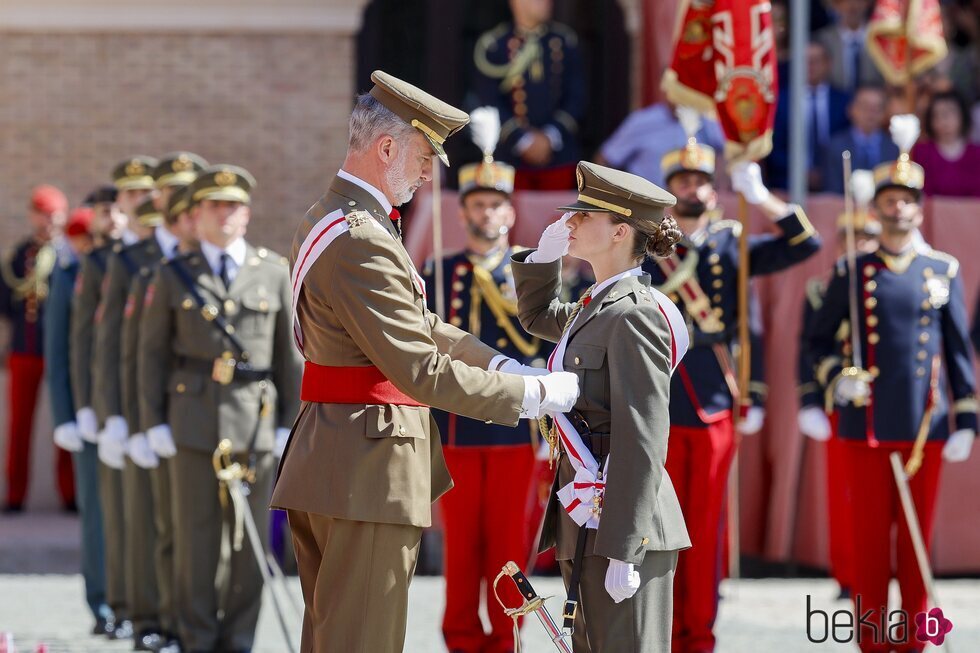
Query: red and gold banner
(905, 38)
(724, 65)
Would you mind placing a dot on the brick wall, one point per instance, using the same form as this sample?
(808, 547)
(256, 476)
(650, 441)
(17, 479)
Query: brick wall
(73, 104)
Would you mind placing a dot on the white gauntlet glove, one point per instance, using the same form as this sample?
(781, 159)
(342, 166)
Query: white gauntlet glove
(553, 243)
(622, 580)
(851, 389)
(747, 180)
(751, 424)
(510, 366)
(112, 442)
(560, 392)
(88, 426)
(141, 453)
(958, 446)
(67, 437)
(813, 423)
(161, 441)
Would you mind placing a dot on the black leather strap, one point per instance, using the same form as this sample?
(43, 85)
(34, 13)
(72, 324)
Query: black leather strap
(243, 370)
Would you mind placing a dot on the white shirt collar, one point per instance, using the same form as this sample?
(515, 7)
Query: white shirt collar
(166, 240)
(129, 237)
(377, 194)
(602, 285)
(236, 250)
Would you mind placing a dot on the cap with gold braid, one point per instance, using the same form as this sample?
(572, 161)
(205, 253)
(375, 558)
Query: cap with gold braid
(487, 174)
(693, 157)
(606, 190)
(147, 214)
(178, 169)
(430, 115)
(134, 173)
(179, 202)
(222, 182)
(902, 173)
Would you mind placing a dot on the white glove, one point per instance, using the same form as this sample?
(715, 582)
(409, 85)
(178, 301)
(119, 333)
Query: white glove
(88, 426)
(560, 392)
(553, 243)
(752, 422)
(958, 446)
(161, 441)
(622, 580)
(850, 389)
(747, 180)
(112, 442)
(510, 366)
(813, 423)
(141, 453)
(67, 437)
(282, 437)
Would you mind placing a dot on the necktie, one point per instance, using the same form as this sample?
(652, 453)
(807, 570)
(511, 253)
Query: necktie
(396, 217)
(224, 270)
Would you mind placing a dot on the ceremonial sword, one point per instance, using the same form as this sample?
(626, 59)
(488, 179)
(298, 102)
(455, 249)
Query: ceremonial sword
(532, 603)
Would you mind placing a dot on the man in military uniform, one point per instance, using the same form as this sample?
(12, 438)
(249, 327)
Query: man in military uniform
(531, 70)
(701, 277)
(23, 291)
(57, 314)
(115, 385)
(133, 183)
(912, 318)
(491, 464)
(812, 419)
(216, 361)
(364, 462)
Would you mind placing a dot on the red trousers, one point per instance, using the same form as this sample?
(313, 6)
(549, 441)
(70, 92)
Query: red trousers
(557, 178)
(877, 510)
(698, 463)
(25, 373)
(840, 504)
(485, 527)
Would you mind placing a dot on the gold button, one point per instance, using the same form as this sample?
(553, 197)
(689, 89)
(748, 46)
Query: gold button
(458, 285)
(927, 273)
(263, 305)
(230, 306)
(923, 337)
(871, 285)
(873, 338)
(874, 371)
(457, 303)
(714, 258)
(925, 287)
(712, 244)
(872, 320)
(352, 203)
(673, 297)
(920, 371)
(456, 320)
(229, 329)
(926, 304)
(921, 355)
(578, 360)
(869, 270)
(187, 304)
(716, 269)
(645, 541)
(716, 298)
(870, 302)
(461, 270)
(718, 311)
(924, 320)
(717, 283)
(181, 388)
(501, 342)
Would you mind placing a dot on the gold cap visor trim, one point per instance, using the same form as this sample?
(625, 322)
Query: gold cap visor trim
(586, 203)
(134, 183)
(226, 193)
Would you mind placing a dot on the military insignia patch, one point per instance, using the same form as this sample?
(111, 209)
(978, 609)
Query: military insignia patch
(130, 306)
(182, 164)
(225, 178)
(135, 168)
(150, 291)
(357, 218)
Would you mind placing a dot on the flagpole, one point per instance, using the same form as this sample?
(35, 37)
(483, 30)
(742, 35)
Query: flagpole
(799, 23)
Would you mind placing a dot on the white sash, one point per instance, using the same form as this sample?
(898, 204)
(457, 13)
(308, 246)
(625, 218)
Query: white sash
(323, 233)
(582, 498)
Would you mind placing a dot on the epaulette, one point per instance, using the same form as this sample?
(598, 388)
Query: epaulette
(271, 257)
(951, 261)
(815, 290)
(358, 218)
(566, 32)
(721, 225)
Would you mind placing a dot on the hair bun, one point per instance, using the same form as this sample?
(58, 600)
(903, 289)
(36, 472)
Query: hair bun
(661, 243)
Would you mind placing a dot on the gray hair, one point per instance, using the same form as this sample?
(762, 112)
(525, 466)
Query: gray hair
(370, 120)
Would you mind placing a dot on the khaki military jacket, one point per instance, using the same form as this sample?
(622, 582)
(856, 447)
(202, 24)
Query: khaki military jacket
(620, 349)
(178, 345)
(360, 306)
(88, 289)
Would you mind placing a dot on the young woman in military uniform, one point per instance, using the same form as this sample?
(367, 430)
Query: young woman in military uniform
(613, 514)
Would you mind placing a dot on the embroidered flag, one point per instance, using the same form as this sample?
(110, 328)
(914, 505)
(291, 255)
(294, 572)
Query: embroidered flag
(905, 38)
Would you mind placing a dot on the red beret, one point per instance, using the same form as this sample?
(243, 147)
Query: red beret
(79, 221)
(48, 199)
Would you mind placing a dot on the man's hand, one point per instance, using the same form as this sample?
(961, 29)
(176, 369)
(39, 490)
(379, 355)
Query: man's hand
(141, 453)
(161, 441)
(67, 437)
(88, 426)
(751, 424)
(851, 389)
(813, 423)
(622, 580)
(958, 446)
(553, 243)
(559, 392)
(112, 442)
(538, 151)
(747, 180)
(510, 366)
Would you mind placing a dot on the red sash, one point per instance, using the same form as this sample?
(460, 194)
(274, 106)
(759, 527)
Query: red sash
(325, 384)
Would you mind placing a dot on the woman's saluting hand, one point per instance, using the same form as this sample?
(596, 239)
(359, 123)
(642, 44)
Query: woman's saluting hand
(553, 243)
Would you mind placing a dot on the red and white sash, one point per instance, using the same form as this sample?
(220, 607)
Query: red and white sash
(582, 498)
(323, 233)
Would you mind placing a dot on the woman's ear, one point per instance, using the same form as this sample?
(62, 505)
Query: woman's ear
(622, 231)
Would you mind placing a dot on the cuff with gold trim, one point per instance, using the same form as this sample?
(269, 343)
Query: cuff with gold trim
(796, 226)
(965, 413)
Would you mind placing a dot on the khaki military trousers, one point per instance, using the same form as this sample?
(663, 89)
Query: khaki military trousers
(164, 552)
(142, 594)
(638, 625)
(355, 578)
(211, 578)
(113, 529)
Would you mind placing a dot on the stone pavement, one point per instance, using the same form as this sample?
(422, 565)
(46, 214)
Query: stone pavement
(756, 616)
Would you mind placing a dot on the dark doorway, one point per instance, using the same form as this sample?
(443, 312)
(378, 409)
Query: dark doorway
(430, 43)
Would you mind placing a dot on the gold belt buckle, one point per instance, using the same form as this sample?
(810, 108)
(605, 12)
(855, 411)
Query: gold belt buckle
(223, 370)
